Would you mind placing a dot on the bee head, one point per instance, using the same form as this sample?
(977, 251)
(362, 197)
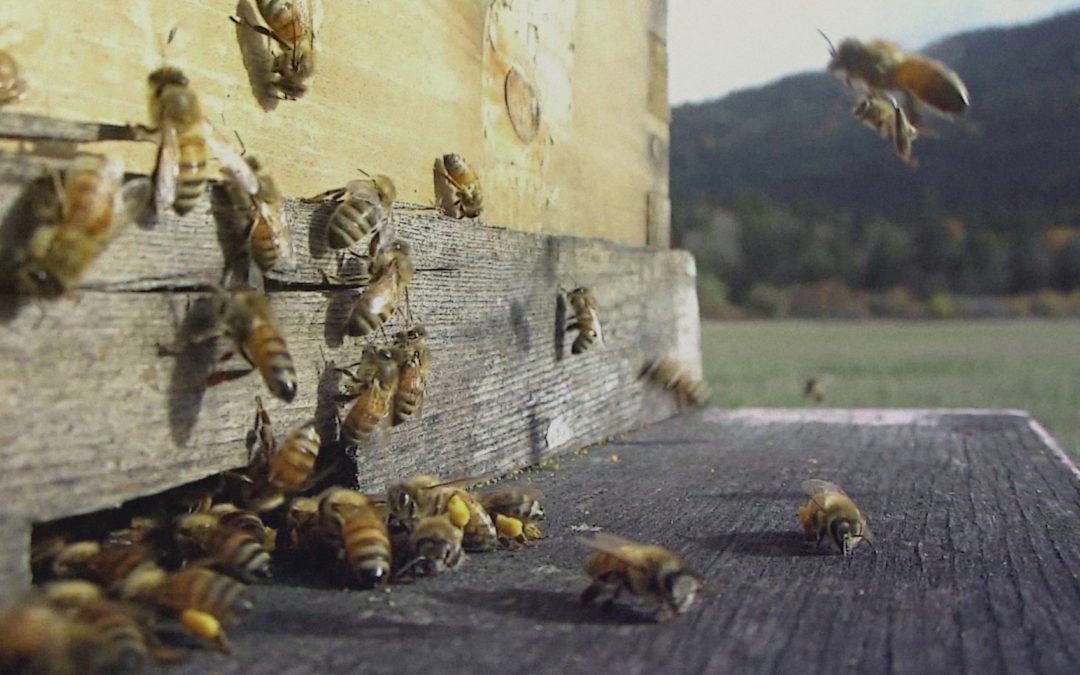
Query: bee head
(165, 76)
(680, 587)
(36, 280)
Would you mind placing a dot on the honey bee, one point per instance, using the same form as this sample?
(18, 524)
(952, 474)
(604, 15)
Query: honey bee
(831, 515)
(435, 545)
(673, 376)
(233, 517)
(414, 361)
(391, 272)
(186, 138)
(457, 187)
(95, 205)
(203, 598)
(280, 470)
(373, 388)
(263, 219)
(290, 25)
(244, 315)
(120, 640)
(12, 87)
(425, 495)
(585, 321)
(516, 504)
(302, 523)
(814, 389)
(38, 638)
(234, 551)
(881, 66)
(886, 117)
(362, 535)
(105, 564)
(646, 570)
(366, 206)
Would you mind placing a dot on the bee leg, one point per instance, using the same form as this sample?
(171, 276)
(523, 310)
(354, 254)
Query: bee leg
(335, 194)
(220, 376)
(183, 343)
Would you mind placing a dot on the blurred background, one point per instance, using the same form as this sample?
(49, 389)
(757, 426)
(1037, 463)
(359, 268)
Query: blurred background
(833, 274)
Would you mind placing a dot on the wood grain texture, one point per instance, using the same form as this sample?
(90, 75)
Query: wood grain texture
(94, 415)
(975, 568)
(396, 84)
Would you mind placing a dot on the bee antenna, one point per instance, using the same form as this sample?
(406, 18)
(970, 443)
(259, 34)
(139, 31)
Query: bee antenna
(832, 47)
(243, 148)
(364, 172)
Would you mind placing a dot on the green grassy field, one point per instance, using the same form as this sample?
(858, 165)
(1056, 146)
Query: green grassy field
(1031, 365)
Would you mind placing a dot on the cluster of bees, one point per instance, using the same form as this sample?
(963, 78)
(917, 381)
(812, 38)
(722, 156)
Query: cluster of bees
(878, 69)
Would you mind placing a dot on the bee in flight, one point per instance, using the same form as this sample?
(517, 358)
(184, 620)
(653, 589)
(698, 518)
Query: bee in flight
(186, 139)
(262, 217)
(244, 315)
(831, 516)
(885, 116)
(289, 24)
(585, 321)
(12, 87)
(93, 206)
(814, 389)
(673, 376)
(649, 571)
(457, 187)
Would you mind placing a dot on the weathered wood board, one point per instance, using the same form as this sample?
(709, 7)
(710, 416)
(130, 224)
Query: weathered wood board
(93, 415)
(977, 519)
(396, 84)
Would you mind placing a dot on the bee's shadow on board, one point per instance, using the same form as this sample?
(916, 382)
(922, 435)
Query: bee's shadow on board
(193, 364)
(547, 606)
(256, 53)
(761, 543)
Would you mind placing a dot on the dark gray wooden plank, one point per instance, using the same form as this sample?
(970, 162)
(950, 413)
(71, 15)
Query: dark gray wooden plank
(975, 570)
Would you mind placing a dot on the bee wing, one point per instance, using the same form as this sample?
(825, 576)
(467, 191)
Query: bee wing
(168, 167)
(814, 487)
(866, 533)
(232, 164)
(283, 240)
(132, 200)
(596, 325)
(932, 82)
(614, 545)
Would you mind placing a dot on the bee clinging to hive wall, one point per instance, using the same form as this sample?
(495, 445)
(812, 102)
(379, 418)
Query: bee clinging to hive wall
(414, 362)
(262, 218)
(832, 516)
(586, 321)
(391, 271)
(373, 387)
(290, 24)
(649, 571)
(365, 206)
(457, 187)
(93, 206)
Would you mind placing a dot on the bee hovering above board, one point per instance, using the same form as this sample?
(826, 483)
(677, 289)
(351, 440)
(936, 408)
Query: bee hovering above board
(885, 116)
(290, 24)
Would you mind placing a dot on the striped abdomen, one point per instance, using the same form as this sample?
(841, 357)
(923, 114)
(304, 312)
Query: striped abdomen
(285, 18)
(585, 339)
(191, 181)
(204, 590)
(410, 392)
(352, 220)
(292, 465)
(372, 406)
(121, 642)
(375, 305)
(239, 554)
(89, 203)
(265, 349)
(366, 543)
(263, 242)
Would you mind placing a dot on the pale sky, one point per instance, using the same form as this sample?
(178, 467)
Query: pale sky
(716, 46)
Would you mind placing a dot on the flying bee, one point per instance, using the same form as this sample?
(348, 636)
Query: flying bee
(457, 187)
(881, 66)
(391, 271)
(12, 87)
(414, 362)
(585, 321)
(280, 470)
(203, 598)
(94, 206)
(373, 390)
(814, 389)
(365, 206)
(234, 551)
(673, 376)
(521, 510)
(244, 315)
(886, 117)
(290, 25)
(263, 219)
(435, 545)
(831, 515)
(646, 570)
(186, 139)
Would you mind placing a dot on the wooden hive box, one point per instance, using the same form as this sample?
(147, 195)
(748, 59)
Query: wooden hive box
(94, 415)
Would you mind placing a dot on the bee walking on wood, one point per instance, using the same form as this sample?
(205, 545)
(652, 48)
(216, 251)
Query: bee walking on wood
(94, 205)
(12, 87)
(457, 187)
(585, 321)
(291, 27)
(414, 362)
(359, 528)
(280, 470)
(674, 377)
(831, 516)
(435, 545)
(373, 387)
(391, 271)
(365, 206)
(649, 571)
(262, 217)
(186, 140)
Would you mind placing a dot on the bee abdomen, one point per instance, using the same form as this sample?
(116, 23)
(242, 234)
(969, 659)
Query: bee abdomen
(244, 555)
(293, 464)
(192, 180)
(123, 643)
(359, 424)
(349, 223)
(367, 547)
(264, 250)
(205, 591)
(585, 339)
(271, 356)
(362, 322)
(405, 404)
